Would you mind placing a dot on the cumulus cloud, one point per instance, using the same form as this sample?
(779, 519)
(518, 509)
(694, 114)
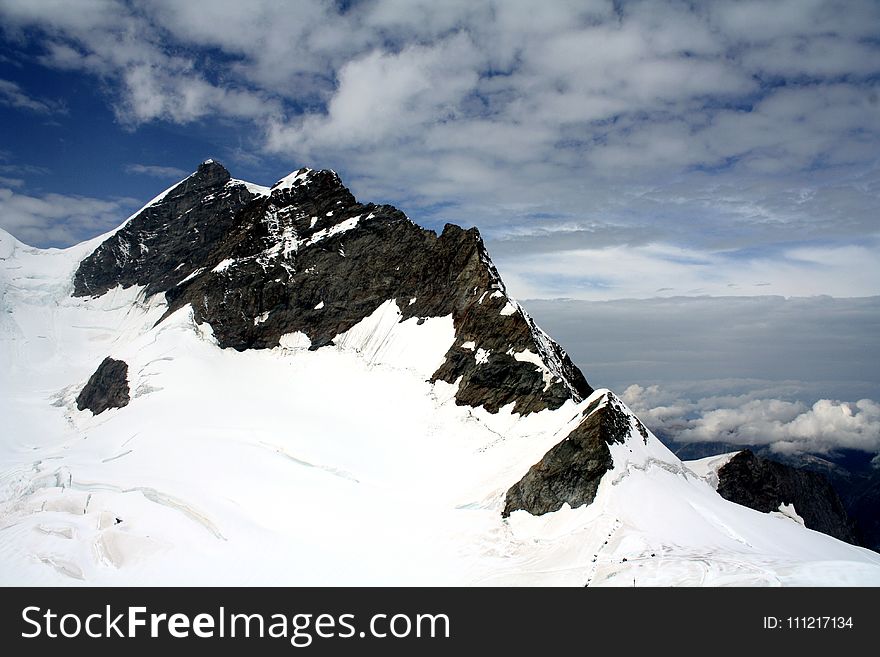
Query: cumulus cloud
(787, 427)
(383, 97)
(150, 81)
(59, 219)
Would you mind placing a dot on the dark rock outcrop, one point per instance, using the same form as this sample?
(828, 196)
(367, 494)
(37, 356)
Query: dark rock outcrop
(864, 507)
(168, 240)
(764, 485)
(308, 257)
(106, 388)
(570, 472)
(856, 479)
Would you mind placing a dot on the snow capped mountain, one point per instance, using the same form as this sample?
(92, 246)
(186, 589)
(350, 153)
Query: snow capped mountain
(282, 385)
(308, 259)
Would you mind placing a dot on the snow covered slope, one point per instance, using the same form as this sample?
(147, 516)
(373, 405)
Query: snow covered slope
(324, 447)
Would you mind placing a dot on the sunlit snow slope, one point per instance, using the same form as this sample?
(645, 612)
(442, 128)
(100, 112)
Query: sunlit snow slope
(340, 465)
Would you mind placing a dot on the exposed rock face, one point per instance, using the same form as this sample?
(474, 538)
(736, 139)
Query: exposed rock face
(763, 485)
(856, 479)
(106, 388)
(167, 240)
(308, 257)
(863, 508)
(570, 471)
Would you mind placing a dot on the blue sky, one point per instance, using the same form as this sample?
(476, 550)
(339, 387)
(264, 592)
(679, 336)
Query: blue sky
(605, 149)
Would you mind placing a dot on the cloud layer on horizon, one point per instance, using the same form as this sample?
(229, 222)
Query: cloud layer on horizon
(826, 426)
(797, 375)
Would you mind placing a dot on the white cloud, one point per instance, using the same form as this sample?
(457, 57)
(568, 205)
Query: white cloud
(156, 171)
(290, 51)
(151, 81)
(58, 219)
(153, 92)
(384, 97)
(814, 57)
(787, 427)
(767, 20)
(57, 14)
(12, 95)
(409, 65)
(616, 272)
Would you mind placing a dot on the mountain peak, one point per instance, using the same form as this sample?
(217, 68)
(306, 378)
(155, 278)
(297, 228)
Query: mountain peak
(211, 172)
(178, 227)
(295, 178)
(312, 187)
(309, 259)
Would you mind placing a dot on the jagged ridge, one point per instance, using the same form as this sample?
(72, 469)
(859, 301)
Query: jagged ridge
(309, 257)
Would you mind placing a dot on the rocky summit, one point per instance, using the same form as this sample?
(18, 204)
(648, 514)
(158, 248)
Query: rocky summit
(305, 256)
